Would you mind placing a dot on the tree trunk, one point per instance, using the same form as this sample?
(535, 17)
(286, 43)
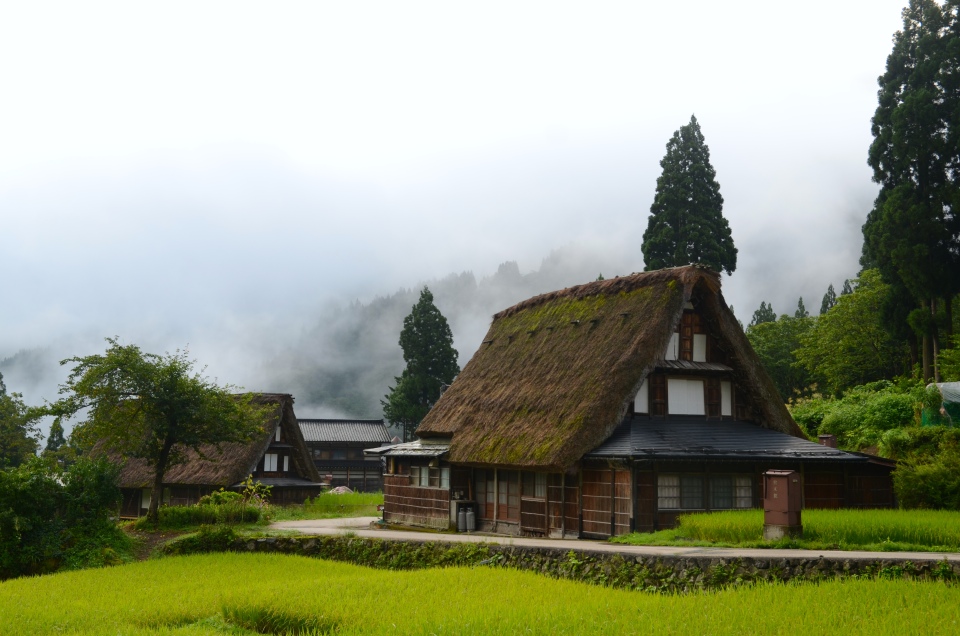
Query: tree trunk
(927, 351)
(153, 513)
(934, 329)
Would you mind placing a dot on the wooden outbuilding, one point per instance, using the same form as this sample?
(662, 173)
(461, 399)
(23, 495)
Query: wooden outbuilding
(337, 445)
(277, 458)
(611, 407)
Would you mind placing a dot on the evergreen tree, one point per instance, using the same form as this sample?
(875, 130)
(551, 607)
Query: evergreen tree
(764, 314)
(427, 344)
(801, 311)
(686, 223)
(829, 300)
(912, 235)
(847, 288)
(55, 439)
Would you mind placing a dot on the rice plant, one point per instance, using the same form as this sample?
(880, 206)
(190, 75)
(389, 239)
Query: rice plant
(261, 593)
(842, 529)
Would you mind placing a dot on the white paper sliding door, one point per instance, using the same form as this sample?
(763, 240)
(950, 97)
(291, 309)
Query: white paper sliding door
(685, 397)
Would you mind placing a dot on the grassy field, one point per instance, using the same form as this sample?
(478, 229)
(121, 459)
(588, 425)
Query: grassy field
(329, 506)
(880, 530)
(246, 594)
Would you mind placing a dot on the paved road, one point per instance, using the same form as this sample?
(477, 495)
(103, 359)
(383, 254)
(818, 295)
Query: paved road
(360, 526)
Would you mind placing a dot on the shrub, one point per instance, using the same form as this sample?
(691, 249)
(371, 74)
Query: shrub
(174, 517)
(209, 538)
(929, 484)
(220, 497)
(51, 518)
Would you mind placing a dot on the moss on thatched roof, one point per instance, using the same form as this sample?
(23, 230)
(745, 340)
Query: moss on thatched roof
(556, 373)
(227, 464)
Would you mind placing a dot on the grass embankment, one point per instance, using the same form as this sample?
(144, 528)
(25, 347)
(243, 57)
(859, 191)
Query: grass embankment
(875, 530)
(247, 594)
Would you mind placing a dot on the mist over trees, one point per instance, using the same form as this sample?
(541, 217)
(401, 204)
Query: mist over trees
(686, 223)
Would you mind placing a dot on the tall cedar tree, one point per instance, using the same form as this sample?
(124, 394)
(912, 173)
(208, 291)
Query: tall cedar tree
(427, 344)
(801, 311)
(764, 314)
(829, 300)
(152, 407)
(686, 223)
(912, 235)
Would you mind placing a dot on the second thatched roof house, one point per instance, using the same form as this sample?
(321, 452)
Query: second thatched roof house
(277, 458)
(609, 407)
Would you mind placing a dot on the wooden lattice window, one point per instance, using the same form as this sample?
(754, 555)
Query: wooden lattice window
(658, 395)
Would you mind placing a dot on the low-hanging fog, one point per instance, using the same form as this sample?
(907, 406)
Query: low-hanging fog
(270, 187)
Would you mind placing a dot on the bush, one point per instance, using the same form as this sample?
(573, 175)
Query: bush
(208, 539)
(51, 519)
(932, 484)
(175, 517)
(220, 497)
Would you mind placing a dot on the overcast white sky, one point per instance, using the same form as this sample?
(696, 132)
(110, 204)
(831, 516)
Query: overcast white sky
(188, 171)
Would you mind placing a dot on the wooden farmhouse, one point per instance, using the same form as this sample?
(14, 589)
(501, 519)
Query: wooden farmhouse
(337, 446)
(278, 458)
(610, 407)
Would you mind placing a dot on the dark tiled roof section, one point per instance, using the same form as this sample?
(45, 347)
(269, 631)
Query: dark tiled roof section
(687, 365)
(699, 438)
(373, 431)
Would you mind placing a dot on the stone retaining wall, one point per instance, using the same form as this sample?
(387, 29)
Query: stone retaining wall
(622, 570)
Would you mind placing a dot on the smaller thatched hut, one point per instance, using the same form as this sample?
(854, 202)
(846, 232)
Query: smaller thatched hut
(609, 407)
(278, 458)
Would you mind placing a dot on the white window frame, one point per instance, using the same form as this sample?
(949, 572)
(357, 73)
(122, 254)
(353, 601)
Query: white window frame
(270, 463)
(685, 397)
(726, 398)
(699, 347)
(641, 403)
(286, 463)
(673, 347)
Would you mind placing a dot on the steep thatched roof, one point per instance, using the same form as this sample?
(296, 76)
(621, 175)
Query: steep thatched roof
(230, 463)
(556, 373)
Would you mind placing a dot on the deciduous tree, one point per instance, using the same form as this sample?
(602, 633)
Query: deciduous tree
(427, 344)
(686, 223)
(848, 345)
(152, 407)
(18, 435)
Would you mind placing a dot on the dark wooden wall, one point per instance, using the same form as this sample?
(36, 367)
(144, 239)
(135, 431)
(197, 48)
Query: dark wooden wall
(415, 505)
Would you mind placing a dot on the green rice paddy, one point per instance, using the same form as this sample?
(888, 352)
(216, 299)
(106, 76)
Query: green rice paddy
(881, 530)
(273, 594)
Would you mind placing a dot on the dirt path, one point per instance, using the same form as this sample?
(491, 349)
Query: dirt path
(360, 526)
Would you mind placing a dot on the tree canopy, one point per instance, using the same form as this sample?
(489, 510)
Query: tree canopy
(152, 407)
(912, 235)
(18, 435)
(427, 344)
(776, 342)
(764, 314)
(686, 223)
(848, 345)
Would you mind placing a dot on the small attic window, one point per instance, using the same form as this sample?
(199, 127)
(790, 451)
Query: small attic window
(278, 434)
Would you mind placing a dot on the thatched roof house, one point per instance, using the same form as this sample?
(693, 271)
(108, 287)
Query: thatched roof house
(557, 373)
(605, 407)
(278, 458)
